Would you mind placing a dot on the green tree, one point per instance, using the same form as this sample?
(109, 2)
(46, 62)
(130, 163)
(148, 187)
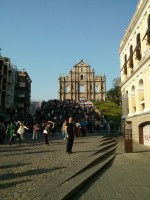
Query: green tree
(114, 94)
(116, 82)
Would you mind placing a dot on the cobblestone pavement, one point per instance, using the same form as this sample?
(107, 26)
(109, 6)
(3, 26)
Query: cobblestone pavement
(127, 178)
(27, 167)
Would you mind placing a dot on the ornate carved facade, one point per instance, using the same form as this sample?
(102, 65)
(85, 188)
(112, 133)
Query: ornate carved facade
(82, 83)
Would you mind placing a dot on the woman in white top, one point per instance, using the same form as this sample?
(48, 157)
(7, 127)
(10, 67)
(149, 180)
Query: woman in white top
(20, 131)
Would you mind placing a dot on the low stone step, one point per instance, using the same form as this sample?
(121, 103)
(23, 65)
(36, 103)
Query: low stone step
(104, 147)
(74, 177)
(68, 188)
(92, 161)
(81, 174)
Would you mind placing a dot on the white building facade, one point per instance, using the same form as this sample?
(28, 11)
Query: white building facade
(134, 55)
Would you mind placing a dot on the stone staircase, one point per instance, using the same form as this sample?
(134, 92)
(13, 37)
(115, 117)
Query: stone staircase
(96, 162)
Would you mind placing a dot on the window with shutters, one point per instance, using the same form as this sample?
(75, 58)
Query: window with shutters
(138, 47)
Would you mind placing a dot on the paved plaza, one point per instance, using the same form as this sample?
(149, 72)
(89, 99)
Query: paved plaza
(127, 178)
(29, 166)
(26, 170)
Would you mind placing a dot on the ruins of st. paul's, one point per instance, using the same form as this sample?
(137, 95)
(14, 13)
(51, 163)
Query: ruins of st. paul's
(82, 83)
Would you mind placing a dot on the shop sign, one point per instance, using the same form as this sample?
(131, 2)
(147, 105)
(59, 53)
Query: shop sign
(146, 134)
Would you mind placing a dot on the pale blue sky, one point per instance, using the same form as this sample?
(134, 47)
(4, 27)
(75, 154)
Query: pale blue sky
(48, 37)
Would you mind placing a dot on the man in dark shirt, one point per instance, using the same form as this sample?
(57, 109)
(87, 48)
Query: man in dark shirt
(70, 135)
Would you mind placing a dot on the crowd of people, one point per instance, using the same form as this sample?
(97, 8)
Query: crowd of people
(12, 129)
(73, 119)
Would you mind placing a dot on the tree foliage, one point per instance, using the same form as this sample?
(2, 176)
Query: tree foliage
(110, 110)
(116, 82)
(114, 94)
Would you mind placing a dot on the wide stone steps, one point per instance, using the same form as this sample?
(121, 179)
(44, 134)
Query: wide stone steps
(81, 174)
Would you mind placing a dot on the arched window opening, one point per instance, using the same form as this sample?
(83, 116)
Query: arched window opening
(81, 77)
(141, 95)
(133, 100)
(96, 89)
(138, 47)
(140, 86)
(126, 102)
(131, 57)
(126, 94)
(133, 90)
(82, 88)
(67, 88)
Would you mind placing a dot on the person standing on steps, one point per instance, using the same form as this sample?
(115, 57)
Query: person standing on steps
(49, 126)
(63, 129)
(36, 128)
(21, 131)
(70, 130)
(10, 131)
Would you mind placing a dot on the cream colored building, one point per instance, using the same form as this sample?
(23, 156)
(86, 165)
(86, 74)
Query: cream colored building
(135, 74)
(82, 83)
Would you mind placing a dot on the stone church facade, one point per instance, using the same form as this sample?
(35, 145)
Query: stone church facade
(82, 83)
